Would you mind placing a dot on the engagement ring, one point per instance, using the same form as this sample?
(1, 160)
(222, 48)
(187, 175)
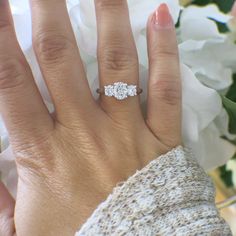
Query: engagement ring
(120, 90)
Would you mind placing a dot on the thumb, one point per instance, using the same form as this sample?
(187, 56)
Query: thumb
(7, 205)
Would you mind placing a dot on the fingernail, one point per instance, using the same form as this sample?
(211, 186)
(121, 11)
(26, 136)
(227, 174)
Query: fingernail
(162, 18)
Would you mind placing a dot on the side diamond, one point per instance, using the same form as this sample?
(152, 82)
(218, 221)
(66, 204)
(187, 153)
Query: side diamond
(132, 90)
(109, 90)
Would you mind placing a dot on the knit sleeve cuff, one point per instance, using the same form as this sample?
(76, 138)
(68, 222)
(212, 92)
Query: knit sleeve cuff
(172, 195)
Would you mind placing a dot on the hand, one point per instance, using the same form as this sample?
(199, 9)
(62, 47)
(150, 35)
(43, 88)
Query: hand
(68, 163)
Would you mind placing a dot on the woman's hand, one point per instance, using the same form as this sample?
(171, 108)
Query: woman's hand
(68, 163)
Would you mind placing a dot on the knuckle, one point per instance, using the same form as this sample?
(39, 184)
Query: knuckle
(52, 48)
(5, 25)
(11, 73)
(117, 58)
(108, 4)
(164, 53)
(168, 91)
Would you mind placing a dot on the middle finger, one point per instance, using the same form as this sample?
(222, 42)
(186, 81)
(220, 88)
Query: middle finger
(59, 59)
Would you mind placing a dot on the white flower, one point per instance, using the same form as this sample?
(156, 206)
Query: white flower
(202, 115)
(203, 49)
(3, 130)
(207, 52)
(211, 57)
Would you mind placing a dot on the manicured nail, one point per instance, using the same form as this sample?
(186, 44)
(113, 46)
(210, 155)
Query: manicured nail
(162, 18)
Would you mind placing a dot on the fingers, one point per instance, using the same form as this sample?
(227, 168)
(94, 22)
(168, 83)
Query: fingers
(7, 205)
(117, 55)
(164, 99)
(59, 58)
(21, 105)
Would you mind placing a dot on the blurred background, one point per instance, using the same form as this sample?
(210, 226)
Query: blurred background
(225, 176)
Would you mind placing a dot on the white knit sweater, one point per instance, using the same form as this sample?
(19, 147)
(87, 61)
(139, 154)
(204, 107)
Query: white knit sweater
(172, 195)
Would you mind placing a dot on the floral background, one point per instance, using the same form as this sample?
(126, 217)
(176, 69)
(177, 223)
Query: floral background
(206, 32)
(228, 29)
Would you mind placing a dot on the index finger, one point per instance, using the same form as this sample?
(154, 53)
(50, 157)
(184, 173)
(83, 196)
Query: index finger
(21, 104)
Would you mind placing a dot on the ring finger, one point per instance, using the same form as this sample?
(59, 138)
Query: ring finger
(117, 54)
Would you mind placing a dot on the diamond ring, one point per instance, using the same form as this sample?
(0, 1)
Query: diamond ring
(120, 90)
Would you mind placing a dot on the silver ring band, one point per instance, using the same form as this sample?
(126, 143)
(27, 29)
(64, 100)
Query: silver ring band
(120, 90)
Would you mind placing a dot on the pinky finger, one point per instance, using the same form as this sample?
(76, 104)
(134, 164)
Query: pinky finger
(164, 100)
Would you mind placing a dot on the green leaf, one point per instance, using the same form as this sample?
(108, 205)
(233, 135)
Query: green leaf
(234, 157)
(226, 175)
(230, 107)
(202, 2)
(224, 5)
(232, 91)
(222, 27)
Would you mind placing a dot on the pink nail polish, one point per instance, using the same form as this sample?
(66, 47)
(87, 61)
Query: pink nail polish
(162, 18)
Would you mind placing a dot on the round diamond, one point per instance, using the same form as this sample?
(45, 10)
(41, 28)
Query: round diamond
(120, 90)
(132, 90)
(109, 90)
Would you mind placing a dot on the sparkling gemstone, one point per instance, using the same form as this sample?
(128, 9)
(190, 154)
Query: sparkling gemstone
(132, 90)
(120, 90)
(109, 90)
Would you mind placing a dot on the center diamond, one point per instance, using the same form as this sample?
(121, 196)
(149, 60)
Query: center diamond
(120, 90)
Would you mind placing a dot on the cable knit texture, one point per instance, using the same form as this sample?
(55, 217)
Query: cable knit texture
(172, 195)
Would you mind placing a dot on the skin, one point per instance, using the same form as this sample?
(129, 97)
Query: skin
(68, 163)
